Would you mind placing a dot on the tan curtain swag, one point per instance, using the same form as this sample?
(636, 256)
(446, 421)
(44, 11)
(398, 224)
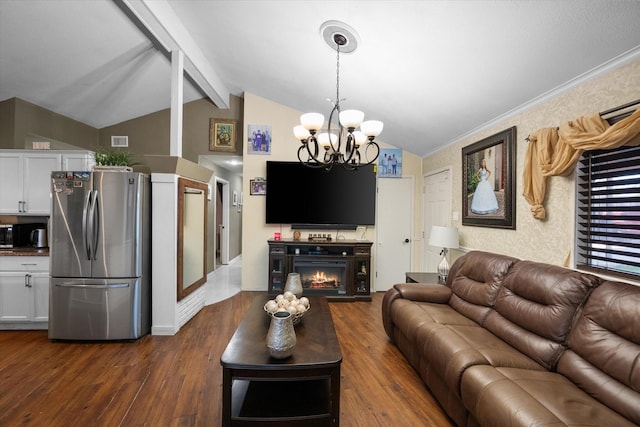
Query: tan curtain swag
(555, 152)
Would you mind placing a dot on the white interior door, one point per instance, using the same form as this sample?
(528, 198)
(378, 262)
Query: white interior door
(437, 211)
(394, 222)
(222, 221)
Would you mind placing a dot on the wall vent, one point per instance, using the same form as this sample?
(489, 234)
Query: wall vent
(119, 141)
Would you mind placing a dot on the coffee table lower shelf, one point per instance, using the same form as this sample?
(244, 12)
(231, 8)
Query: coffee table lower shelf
(271, 402)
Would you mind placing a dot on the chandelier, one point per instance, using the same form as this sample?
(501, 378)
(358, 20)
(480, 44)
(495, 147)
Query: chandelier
(342, 142)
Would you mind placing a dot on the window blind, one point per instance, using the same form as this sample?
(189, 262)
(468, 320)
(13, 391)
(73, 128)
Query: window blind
(608, 210)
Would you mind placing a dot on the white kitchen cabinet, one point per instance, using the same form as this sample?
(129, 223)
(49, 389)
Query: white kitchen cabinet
(24, 292)
(37, 182)
(15, 297)
(77, 161)
(11, 180)
(25, 178)
(40, 294)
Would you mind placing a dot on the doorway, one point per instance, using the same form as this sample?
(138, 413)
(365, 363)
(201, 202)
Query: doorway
(394, 228)
(221, 223)
(437, 211)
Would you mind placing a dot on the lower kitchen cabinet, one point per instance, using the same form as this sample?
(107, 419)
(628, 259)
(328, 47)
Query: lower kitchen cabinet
(24, 292)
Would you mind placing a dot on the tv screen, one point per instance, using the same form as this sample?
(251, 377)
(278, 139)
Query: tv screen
(315, 198)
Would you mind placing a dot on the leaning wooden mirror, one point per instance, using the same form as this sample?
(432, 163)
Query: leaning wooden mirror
(192, 232)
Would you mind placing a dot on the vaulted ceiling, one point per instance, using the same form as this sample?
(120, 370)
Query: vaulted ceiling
(433, 71)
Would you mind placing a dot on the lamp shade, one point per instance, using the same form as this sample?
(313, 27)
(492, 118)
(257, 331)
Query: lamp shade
(326, 139)
(312, 121)
(301, 132)
(360, 137)
(351, 118)
(444, 237)
(371, 127)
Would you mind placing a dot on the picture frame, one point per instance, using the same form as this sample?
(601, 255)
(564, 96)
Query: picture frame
(489, 181)
(222, 135)
(390, 163)
(259, 139)
(257, 187)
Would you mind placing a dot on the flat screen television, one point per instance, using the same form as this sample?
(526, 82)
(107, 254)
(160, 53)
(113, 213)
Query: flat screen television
(309, 198)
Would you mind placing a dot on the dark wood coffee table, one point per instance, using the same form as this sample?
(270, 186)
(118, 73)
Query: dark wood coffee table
(258, 389)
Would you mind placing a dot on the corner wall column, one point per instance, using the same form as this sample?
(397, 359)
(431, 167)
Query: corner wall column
(177, 95)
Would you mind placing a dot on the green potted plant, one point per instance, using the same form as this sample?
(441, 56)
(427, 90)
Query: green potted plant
(109, 158)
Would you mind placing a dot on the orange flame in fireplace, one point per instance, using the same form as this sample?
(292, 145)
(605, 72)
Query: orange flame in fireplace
(321, 280)
(320, 276)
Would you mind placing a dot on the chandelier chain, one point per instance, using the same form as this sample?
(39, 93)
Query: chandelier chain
(338, 74)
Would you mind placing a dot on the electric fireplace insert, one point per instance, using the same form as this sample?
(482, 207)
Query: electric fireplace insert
(323, 277)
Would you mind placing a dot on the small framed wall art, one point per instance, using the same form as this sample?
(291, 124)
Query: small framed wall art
(259, 139)
(222, 135)
(257, 187)
(390, 163)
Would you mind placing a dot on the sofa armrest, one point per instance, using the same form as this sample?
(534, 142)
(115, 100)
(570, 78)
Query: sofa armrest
(425, 292)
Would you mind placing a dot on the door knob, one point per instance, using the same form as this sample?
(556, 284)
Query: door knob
(406, 240)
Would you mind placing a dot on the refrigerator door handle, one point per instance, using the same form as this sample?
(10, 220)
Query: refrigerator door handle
(76, 285)
(95, 227)
(86, 224)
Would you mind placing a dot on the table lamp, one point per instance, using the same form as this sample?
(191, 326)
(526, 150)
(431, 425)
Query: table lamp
(446, 238)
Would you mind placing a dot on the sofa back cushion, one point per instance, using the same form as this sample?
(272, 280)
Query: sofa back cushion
(604, 348)
(476, 279)
(536, 307)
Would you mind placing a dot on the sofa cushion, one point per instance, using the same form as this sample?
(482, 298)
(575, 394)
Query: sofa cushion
(408, 317)
(536, 306)
(407, 306)
(476, 282)
(604, 348)
(520, 397)
(451, 349)
(429, 293)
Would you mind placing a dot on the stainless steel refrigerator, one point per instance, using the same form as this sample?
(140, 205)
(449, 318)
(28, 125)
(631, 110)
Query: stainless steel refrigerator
(99, 239)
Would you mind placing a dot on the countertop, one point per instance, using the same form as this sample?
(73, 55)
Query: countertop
(28, 251)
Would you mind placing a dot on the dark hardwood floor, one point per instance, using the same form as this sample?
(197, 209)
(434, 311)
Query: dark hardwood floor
(176, 381)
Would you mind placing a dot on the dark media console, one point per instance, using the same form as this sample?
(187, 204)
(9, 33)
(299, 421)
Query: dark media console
(339, 270)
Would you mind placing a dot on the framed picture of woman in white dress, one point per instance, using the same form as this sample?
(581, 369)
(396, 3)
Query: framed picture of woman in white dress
(488, 182)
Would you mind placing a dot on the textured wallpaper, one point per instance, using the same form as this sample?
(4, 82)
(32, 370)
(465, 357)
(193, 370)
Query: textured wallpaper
(550, 240)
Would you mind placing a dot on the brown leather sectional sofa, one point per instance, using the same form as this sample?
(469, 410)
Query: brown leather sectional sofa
(517, 343)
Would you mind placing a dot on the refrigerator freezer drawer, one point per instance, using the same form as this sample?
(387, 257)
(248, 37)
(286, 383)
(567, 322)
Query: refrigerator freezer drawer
(96, 309)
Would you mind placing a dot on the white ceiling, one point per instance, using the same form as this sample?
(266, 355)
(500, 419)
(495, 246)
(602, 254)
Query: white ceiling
(433, 71)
